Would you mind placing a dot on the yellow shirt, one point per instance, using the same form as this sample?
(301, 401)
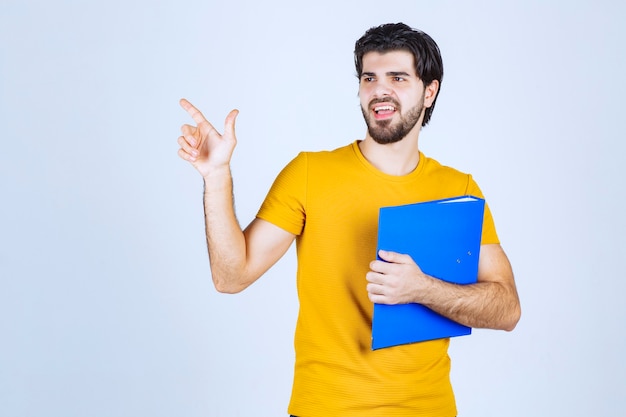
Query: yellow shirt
(330, 200)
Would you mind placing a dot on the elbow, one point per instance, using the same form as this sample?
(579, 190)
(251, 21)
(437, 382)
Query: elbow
(511, 322)
(512, 311)
(228, 286)
(227, 289)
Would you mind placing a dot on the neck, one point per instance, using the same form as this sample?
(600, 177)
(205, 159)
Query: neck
(399, 158)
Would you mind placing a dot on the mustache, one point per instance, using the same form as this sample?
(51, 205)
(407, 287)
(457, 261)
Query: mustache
(390, 100)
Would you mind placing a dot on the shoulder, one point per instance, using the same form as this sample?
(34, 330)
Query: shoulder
(435, 168)
(307, 162)
(328, 155)
(324, 159)
(433, 165)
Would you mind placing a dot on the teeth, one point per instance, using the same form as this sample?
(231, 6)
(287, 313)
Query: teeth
(384, 108)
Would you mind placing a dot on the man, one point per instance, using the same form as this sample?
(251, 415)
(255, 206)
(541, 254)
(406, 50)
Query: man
(328, 202)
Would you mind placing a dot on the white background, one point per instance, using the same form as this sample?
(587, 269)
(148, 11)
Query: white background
(106, 301)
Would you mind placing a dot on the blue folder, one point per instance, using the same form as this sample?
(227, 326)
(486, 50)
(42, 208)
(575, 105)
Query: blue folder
(443, 237)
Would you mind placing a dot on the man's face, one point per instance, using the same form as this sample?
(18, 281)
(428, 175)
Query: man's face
(391, 94)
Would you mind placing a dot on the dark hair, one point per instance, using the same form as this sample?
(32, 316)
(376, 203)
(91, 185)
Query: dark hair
(398, 36)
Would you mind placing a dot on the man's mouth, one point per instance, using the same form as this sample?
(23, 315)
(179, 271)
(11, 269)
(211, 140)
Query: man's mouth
(383, 111)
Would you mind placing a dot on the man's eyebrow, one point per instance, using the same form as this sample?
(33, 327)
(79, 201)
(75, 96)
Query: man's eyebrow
(388, 74)
(398, 73)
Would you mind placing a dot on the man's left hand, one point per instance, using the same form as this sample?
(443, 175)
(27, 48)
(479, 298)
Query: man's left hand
(396, 279)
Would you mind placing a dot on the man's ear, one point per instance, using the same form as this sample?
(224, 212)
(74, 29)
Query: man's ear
(430, 93)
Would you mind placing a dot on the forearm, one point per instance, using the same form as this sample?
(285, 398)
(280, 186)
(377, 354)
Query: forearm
(225, 239)
(492, 305)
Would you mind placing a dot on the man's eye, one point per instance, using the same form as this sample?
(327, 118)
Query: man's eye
(398, 79)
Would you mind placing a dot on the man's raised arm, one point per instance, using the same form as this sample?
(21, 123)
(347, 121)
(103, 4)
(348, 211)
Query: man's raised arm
(237, 258)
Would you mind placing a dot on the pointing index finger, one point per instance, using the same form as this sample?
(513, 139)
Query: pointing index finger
(195, 114)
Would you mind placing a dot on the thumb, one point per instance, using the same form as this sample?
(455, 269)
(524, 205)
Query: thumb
(394, 257)
(229, 124)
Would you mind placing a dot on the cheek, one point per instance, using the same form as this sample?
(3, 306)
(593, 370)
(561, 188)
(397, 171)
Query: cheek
(363, 98)
(365, 90)
(412, 100)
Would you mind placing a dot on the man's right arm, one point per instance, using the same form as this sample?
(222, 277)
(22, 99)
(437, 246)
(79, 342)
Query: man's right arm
(238, 258)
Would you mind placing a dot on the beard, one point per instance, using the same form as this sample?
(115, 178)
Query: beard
(384, 131)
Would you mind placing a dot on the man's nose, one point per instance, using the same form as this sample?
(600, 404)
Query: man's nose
(382, 89)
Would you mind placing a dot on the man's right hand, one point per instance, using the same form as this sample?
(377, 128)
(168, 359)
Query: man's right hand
(202, 145)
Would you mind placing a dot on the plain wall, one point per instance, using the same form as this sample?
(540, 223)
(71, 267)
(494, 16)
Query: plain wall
(106, 302)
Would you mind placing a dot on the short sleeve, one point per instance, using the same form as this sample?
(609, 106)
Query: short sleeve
(284, 205)
(489, 235)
